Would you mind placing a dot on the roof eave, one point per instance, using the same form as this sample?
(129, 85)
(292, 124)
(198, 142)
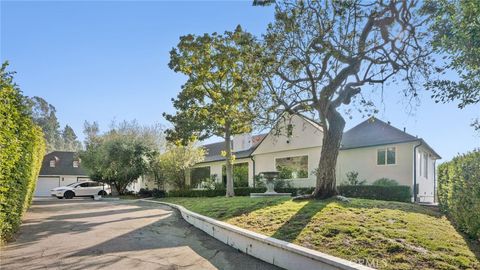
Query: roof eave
(379, 144)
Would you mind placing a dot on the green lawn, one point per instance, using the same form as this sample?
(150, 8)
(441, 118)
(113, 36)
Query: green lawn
(392, 235)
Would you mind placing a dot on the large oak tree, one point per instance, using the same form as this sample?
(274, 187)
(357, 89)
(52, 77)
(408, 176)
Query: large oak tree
(323, 53)
(223, 80)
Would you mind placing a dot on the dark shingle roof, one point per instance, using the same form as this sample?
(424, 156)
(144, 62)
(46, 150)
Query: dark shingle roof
(214, 150)
(374, 132)
(371, 132)
(63, 165)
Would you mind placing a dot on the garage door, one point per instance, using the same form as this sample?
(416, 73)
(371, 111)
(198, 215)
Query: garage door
(45, 184)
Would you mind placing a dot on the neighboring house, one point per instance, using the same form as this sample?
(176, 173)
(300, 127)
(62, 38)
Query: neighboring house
(373, 148)
(59, 168)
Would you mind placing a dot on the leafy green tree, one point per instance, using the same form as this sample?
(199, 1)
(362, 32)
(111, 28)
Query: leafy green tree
(223, 80)
(69, 138)
(44, 115)
(322, 54)
(120, 156)
(91, 132)
(172, 166)
(456, 28)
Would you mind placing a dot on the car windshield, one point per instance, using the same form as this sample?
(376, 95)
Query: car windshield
(72, 184)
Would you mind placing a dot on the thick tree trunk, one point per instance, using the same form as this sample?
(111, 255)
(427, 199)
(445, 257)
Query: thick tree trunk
(114, 189)
(326, 178)
(228, 165)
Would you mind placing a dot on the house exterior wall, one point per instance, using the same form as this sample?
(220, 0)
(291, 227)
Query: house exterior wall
(142, 182)
(364, 161)
(426, 185)
(305, 139)
(67, 179)
(304, 135)
(266, 162)
(47, 182)
(216, 169)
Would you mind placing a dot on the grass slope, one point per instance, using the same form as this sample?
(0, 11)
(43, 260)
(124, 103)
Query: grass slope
(384, 235)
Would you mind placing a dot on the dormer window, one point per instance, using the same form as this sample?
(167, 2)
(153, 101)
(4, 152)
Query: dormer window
(76, 163)
(52, 163)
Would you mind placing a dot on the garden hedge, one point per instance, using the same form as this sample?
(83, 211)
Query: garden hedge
(459, 191)
(22, 148)
(239, 191)
(387, 193)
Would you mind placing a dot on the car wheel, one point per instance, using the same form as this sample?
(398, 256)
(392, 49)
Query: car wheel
(102, 193)
(69, 194)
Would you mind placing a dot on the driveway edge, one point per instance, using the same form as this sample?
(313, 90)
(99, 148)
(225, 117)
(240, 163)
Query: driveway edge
(268, 249)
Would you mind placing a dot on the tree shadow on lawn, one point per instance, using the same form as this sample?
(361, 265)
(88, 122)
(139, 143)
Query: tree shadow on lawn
(225, 211)
(472, 243)
(390, 205)
(292, 228)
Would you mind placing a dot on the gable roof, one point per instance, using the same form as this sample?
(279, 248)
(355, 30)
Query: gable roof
(214, 150)
(373, 132)
(63, 164)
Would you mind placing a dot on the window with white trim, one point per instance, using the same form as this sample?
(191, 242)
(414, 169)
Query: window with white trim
(52, 163)
(292, 167)
(75, 163)
(425, 165)
(386, 156)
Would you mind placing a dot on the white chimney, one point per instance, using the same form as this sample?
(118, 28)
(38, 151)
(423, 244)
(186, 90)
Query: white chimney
(242, 142)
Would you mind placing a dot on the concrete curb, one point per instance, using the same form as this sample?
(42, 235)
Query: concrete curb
(268, 249)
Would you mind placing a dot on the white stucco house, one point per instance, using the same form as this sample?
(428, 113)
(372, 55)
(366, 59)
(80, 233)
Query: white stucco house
(59, 168)
(373, 148)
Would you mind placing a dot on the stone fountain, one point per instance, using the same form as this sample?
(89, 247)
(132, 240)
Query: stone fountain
(270, 183)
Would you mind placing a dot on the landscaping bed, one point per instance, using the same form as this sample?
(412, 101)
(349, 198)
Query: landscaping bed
(384, 235)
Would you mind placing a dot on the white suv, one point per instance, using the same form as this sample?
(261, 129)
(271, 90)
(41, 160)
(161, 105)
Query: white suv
(81, 189)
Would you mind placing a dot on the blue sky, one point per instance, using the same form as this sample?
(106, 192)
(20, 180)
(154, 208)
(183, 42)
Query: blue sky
(107, 60)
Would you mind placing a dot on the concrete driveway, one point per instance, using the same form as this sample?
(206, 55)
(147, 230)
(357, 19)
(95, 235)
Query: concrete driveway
(85, 234)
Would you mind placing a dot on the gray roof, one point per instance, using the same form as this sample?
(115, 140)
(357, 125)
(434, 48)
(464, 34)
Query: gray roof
(63, 165)
(373, 132)
(214, 150)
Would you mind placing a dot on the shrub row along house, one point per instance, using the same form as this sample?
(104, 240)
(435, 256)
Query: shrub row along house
(373, 148)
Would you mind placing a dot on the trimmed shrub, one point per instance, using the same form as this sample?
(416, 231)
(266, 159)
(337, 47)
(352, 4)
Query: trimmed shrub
(386, 182)
(295, 191)
(459, 191)
(145, 193)
(22, 148)
(386, 193)
(239, 191)
(158, 193)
